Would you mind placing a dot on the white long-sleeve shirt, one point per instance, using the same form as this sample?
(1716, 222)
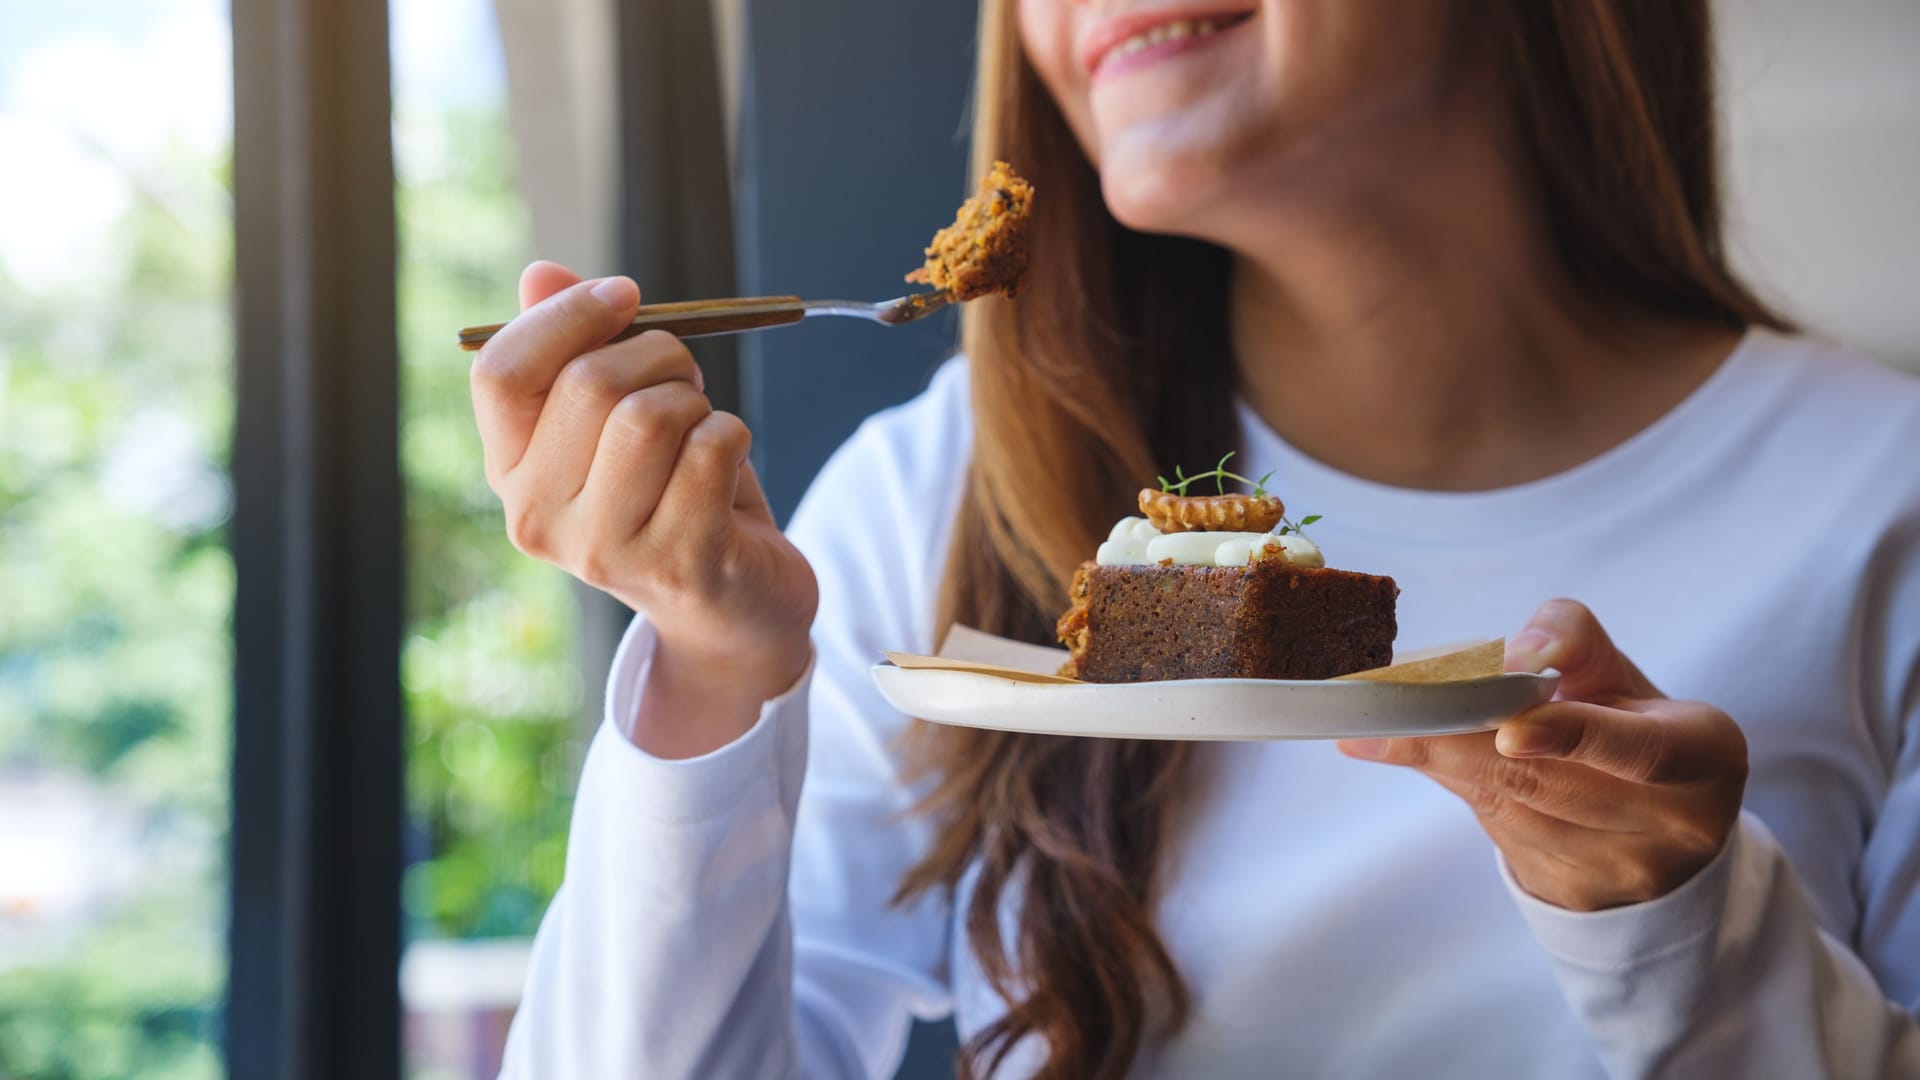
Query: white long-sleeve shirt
(1757, 548)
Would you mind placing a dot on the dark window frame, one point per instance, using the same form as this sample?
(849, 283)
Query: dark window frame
(314, 942)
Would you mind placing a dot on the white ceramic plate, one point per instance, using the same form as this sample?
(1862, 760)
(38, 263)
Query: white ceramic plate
(1212, 708)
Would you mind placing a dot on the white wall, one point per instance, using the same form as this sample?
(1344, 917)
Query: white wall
(1823, 140)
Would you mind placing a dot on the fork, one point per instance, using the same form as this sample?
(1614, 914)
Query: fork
(701, 318)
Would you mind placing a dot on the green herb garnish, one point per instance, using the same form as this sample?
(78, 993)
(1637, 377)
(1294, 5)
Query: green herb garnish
(1218, 474)
(1297, 530)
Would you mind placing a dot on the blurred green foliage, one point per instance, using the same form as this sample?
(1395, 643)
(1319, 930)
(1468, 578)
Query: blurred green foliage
(115, 660)
(116, 591)
(493, 688)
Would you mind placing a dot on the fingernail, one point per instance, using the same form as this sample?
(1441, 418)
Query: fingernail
(1522, 741)
(1371, 749)
(1526, 650)
(618, 293)
(699, 379)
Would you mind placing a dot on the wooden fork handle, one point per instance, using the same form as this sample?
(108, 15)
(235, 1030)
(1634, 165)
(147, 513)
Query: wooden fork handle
(686, 318)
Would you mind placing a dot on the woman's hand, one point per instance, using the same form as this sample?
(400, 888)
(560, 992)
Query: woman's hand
(613, 466)
(1610, 794)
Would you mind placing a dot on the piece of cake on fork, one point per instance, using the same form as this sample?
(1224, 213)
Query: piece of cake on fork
(986, 249)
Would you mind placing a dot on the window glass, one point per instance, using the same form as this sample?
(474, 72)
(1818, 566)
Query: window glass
(492, 683)
(116, 589)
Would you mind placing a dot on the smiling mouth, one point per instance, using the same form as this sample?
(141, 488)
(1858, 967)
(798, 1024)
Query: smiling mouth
(1179, 32)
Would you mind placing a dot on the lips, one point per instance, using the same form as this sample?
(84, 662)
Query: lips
(1122, 36)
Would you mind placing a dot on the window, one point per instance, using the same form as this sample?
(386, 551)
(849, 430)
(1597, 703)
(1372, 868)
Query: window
(115, 583)
(495, 720)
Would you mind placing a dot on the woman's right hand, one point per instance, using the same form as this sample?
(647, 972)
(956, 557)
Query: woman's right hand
(613, 465)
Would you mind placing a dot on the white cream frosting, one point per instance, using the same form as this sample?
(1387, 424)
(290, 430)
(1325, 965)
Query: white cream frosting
(1127, 544)
(1135, 542)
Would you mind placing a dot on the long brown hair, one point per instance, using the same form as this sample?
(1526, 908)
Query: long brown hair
(1115, 366)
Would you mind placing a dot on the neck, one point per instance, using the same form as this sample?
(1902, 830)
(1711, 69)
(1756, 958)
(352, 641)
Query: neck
(1425, 335)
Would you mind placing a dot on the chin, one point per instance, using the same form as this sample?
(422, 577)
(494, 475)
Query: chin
(1146, 202)
(1180, 195)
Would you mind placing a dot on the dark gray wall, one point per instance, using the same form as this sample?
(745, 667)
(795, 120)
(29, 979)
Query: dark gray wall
(851, 155)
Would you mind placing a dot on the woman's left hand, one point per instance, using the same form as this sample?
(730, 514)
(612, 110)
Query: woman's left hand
(1610, 794)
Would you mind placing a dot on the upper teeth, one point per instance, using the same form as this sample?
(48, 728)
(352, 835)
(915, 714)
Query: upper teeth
(1172, 31)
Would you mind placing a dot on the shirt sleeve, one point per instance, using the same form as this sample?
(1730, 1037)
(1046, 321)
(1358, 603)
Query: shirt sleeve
(664, 951)
(719, 917)
(1729, 975)
(1732, 974)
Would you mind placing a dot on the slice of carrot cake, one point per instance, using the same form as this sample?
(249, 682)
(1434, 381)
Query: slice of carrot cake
(1201, 588)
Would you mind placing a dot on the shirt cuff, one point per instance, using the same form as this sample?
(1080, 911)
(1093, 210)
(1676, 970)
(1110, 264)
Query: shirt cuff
(1622, 938)
(697, 788)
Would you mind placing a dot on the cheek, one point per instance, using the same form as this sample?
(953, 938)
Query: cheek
(1047, 35)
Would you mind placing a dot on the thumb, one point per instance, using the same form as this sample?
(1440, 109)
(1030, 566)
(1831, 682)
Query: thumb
(542, 279)
(1566, 636)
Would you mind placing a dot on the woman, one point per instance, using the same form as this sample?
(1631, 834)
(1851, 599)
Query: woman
(1452, 270)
